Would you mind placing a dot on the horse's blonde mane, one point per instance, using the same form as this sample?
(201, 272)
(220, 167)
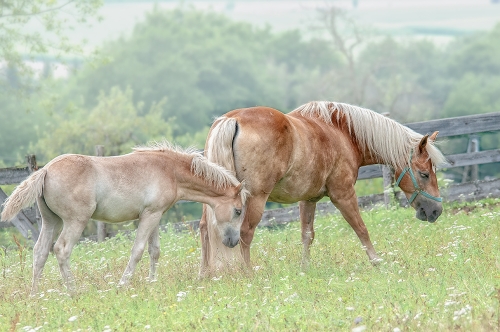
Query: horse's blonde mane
(389, 141)
(214, 174)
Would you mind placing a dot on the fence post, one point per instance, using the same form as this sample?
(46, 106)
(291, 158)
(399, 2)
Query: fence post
(101, 227)
(32, 167)
(387, 175)
(471, 171)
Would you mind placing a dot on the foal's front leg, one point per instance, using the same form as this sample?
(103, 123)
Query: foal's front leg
(154, 252)
(147, 223)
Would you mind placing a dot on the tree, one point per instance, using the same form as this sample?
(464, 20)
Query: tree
(29, 28)
(205, 64)
(115, 122)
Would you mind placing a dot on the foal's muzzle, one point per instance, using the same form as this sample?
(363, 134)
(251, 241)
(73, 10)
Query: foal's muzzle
(231, 237)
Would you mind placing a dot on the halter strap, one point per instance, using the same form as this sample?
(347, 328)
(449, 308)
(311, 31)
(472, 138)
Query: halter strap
(415, 184)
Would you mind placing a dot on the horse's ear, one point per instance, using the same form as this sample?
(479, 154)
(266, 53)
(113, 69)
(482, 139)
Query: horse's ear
(423, 143)
(433, 136)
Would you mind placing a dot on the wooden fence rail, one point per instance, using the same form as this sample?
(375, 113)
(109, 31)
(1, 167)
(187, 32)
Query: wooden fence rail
(464, 125)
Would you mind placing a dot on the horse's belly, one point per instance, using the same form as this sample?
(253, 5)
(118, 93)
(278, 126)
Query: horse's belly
(288, 193)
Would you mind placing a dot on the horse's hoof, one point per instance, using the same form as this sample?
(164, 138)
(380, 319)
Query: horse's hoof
(376, 261)
(304, 266)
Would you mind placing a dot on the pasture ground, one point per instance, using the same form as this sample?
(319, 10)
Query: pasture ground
(434, 277)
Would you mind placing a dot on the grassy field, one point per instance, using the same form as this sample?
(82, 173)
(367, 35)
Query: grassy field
(434, 277)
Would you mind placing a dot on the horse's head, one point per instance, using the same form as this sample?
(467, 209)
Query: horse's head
(229, 214)
(418, 182)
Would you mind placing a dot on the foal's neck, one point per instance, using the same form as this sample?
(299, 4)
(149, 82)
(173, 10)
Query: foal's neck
(196, 188)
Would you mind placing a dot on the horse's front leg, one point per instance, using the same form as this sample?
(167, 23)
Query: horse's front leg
(154, 252)
(307, 210)
(148, 222)
(347, 203)
(253, 213)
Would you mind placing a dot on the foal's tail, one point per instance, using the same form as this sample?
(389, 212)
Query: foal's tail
(24, 195)
(219, 149)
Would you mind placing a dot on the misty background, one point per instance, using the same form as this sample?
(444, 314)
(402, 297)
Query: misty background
(75, 74)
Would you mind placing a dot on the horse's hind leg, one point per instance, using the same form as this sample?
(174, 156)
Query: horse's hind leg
(50, 221)
(147, 224)
(72, 230)
(307, 210)
(154, 252)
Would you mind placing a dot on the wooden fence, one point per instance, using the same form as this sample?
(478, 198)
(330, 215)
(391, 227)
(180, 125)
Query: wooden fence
(466, 125)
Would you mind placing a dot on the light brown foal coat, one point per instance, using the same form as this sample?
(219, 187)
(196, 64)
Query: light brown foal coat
(142, 185)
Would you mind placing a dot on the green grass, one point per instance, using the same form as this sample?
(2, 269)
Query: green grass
(434, 277)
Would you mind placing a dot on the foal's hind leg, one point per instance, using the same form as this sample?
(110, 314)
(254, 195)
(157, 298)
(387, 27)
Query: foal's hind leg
(72, 230)
(44, 242)
(154, 252)
(307, 210)
(147, 224)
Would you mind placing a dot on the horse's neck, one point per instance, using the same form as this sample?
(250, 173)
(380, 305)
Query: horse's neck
(368, 157)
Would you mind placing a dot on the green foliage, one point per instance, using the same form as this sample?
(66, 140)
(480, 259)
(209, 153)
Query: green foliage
(473, 94)
(30, 28)
(19, 127)
(434, 277)
(114, 122)
(205, 64)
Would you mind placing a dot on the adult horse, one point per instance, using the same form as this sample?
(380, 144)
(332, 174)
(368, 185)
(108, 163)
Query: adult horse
(142, 185)
(312, 152)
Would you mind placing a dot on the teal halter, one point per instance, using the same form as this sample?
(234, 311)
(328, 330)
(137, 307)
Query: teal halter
(415, 184)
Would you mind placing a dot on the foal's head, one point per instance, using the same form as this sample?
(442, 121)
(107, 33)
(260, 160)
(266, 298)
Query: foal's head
(229, 214)
(419, 183)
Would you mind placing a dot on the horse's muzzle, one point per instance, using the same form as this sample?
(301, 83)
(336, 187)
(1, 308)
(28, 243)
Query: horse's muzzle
(428, 211)
(231, 237)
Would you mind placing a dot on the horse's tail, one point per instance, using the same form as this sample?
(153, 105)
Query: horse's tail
(24, 195)
(219, 149)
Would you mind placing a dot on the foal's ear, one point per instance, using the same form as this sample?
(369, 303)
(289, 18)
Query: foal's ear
(433, 136)
(239, 188)
(423, 143)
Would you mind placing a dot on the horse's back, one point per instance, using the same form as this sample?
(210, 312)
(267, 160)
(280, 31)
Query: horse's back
(289, 156)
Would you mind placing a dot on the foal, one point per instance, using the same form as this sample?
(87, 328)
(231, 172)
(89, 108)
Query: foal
(142, 185)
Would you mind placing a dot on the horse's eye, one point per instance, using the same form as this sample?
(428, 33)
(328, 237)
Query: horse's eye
(237, 212)
(424, 175)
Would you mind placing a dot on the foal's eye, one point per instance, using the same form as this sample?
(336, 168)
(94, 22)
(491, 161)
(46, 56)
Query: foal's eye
(237, 212)
(424, 175)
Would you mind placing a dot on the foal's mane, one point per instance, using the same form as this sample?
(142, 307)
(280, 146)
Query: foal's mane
(388, 140)
(214, 174)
